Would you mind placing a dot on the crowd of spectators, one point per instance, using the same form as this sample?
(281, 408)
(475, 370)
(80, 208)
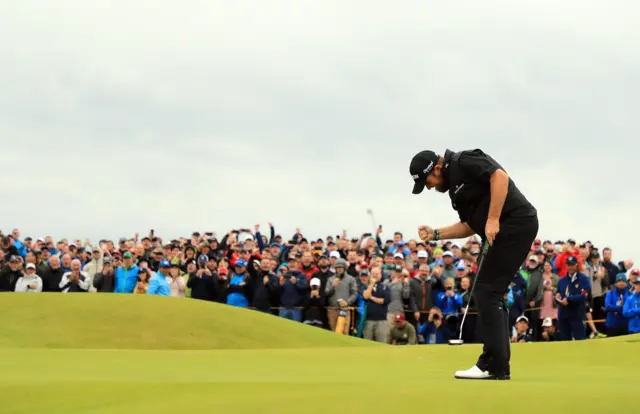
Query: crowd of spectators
(394, 291)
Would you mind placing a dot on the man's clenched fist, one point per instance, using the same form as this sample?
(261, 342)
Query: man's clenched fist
(425, 233)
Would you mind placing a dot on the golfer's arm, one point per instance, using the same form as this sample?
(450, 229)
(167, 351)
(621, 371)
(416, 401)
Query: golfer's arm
(499, 189)
(456, 231)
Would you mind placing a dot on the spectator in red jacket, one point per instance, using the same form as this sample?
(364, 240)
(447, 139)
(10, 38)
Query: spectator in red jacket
(561, 259)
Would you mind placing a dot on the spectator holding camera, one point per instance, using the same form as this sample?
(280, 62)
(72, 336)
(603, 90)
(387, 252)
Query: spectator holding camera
(377, 297)
(294, 288)
(614, 302)
(433, 331)
(399, 291)
(631, 309)
(449, 301)
(126, 274)
(104, 281)
(143, 282)
(75, 280)
(421, 289)
(30, 281)
(341, 292)
(265, 284)
(203, 282)
(238, 286)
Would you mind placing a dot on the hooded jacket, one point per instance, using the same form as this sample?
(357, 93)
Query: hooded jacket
(614, 302)
(631, 310)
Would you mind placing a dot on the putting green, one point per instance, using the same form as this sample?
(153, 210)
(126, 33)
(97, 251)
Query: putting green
(348, 375)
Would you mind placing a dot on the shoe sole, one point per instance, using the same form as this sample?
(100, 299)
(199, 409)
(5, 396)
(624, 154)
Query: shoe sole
(493, 377)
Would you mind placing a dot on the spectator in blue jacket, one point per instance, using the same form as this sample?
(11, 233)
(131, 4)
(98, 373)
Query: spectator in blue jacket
(294, 288)
(449, 301)
(614, 301)
(126, 275)
(434, 331)
(238, 286)
(158, 284)
(631, 309)
(573, 291)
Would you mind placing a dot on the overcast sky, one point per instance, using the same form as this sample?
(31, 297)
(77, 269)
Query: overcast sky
(121, 116)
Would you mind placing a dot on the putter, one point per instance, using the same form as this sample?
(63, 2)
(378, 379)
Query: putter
(483, 254)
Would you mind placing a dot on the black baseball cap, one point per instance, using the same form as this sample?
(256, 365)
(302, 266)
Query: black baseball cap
(421, 166)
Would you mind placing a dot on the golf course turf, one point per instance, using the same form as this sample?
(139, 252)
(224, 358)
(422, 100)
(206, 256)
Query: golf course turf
(107, 353)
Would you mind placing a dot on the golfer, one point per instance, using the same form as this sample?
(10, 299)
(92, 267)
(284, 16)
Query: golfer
(489, 204)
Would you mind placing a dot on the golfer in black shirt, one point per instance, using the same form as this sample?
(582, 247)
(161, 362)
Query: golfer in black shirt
(488, 204)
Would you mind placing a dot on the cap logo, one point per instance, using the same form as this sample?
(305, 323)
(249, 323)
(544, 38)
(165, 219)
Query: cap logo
(415, 176)
(426, 170)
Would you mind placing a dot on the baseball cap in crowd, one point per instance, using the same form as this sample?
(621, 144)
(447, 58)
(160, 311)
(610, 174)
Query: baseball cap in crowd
(223, 271)
(96, 249)
(447, 253)
(241, 263)
(522, 318)
(547, 322)
(533, 258)
(572, 260)
(127, 255)
(398, 256)
(461, 265)
(399, 317)
(14, 259)
(421, 166)
(635, 272)
(315, 282)
(165, 264)
(334, 254)
(107, 260)
(31, 266)
(422, 254)
(595, 255)
(621, 277)
(203, 258)
(455, 246)
(364, 272)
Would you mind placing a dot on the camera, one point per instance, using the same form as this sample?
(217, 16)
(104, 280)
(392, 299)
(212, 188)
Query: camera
(436, 317)
(449, 287)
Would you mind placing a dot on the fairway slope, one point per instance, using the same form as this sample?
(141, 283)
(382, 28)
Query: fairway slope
(113, 321)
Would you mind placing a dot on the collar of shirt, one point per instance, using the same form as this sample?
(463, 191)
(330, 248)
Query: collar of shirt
(574, 277)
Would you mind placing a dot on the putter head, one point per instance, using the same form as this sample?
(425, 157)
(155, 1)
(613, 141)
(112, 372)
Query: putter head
(456, 341)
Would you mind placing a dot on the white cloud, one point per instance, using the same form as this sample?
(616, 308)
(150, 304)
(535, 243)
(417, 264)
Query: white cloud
(117, 117)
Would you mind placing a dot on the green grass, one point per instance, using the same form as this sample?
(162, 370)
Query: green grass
(52, 360)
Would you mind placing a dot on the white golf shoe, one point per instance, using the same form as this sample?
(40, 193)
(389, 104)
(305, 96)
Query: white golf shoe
(473, 373)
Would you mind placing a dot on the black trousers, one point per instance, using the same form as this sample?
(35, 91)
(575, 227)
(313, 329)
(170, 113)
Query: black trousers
(509, 251)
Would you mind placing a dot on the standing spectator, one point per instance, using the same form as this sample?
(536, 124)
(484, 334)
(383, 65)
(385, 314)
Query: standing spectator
(238, 287)
(75, 280)
(422, 292)
(9, 275)
(631, 309)
(377, 298)
(158, 285)
(548, 304)
(265, 285)
(341, 292)
(449, 301)
(612, 269)
(126, 275)
(535, 290)
(307, 267)
(599, 281)
(573, 290)
(402, 333)
(315, 310)
(294, 290)
(568, 250)
(203, 282)
(324, 272)
(104, 281)
(94, 266)
(450, 268)
(616, 323)
(548, 330)
(8, 247)
(399, 292)
(143, 282)
(176, 281)
(30, 282)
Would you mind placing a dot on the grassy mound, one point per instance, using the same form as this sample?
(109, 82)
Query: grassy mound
(112, 321)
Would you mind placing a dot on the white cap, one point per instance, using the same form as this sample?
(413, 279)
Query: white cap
(533, 258)
(422, 254)
(522, 318)
(398, 256)
(447, 253)
(41, 239)
(315, 282)
(31, 266)
(547, 322)
(334, 254)
(455, 245)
